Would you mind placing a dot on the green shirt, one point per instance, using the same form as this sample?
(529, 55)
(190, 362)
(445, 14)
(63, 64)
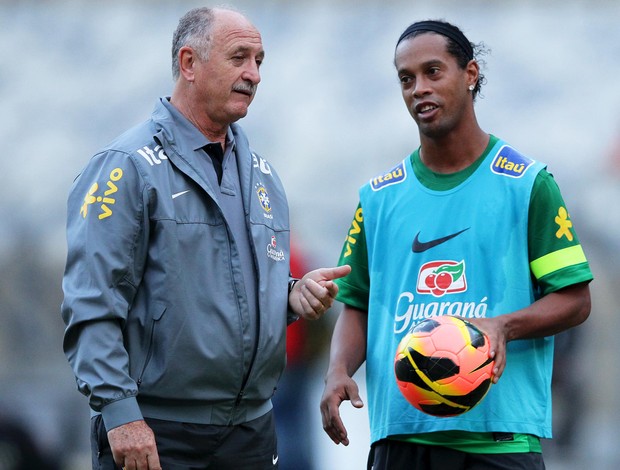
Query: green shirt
(549, 232)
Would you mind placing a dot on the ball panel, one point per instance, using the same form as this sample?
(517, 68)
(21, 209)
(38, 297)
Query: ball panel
(476, 337)
(471, 398)
(425, 326)
(407, 374)
(434, 367)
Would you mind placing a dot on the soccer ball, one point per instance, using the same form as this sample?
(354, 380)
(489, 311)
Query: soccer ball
(442, 366)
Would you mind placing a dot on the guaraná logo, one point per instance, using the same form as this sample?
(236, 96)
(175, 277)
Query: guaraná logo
(442, 277)
(273, 252)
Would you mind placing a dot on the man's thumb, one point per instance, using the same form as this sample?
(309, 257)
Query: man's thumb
(336, 272)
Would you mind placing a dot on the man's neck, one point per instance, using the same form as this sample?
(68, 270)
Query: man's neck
(452, 153)
(211, 130)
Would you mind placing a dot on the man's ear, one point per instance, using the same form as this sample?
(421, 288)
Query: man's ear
(187, 61)
(473, 72)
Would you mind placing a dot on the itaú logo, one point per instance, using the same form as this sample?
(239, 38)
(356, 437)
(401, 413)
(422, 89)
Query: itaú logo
(509, 162)
(398, 174)
(442, 277)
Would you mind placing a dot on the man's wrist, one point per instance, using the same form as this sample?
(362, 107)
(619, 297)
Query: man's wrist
(121, 412)
(291, 316)
(291, 285)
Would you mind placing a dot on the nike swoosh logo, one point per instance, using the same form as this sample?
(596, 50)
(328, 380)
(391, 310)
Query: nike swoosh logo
(275, 459)
(419, 247)
(175, 195)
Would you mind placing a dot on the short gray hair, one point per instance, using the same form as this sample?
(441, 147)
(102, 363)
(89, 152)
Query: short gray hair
(194, 30)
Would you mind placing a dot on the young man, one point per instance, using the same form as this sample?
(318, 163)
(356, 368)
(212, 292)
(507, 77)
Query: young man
(171, 335)
(464, 197)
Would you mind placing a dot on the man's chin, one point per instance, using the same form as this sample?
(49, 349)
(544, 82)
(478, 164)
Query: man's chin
(239, 113)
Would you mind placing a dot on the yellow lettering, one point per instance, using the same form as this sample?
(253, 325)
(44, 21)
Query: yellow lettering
(347, 250)
(106, 212)
(355, 228)
(116, 174)
(112, 187)
(358, 215)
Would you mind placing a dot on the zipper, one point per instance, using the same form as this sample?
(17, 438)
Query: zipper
(255, 346)
(149, 354)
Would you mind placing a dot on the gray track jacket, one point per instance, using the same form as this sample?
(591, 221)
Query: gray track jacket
(153, 288)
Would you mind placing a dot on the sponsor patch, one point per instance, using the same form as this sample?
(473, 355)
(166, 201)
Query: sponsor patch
(509, 162)
(409, 311)
(564, 225)
(102, 199)
(396, 175)
(153, 156)
(273, 252)
(354, 231)
(261, 164)
(442, 277)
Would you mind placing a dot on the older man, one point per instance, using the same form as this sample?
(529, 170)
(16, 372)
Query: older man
(177, 284)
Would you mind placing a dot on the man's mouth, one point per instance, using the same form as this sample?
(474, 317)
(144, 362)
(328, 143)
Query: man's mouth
(425, 108)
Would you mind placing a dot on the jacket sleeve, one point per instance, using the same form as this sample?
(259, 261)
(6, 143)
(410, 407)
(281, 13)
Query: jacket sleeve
(106, 239)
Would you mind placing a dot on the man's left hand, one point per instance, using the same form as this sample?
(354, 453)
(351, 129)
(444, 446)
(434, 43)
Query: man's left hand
(314, 294)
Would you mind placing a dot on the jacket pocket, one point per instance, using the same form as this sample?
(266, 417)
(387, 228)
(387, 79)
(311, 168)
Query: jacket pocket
(158, 313)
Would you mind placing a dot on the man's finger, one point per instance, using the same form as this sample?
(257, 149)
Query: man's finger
(153, 462)
(336, 272)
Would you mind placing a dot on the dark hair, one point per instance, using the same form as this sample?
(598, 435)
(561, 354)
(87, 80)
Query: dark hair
(458, 46)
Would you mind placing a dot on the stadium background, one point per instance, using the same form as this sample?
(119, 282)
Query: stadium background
(328, 115)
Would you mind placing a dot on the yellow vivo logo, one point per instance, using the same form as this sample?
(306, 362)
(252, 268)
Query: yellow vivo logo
(104, 201)
(354, 231)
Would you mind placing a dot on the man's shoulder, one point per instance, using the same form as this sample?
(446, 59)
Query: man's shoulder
(139, 144)
(132, 139)
(507, 161)
(390, 177)
(142, 135)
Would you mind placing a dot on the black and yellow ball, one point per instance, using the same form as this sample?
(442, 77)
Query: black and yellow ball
(443, 366)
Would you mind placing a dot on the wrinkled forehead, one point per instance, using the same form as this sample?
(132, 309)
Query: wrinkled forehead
(233, 30)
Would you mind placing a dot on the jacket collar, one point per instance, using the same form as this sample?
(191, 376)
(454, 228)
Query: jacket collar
(181, 141)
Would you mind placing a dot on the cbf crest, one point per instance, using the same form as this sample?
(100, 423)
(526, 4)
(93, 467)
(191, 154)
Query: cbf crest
(264, 200)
